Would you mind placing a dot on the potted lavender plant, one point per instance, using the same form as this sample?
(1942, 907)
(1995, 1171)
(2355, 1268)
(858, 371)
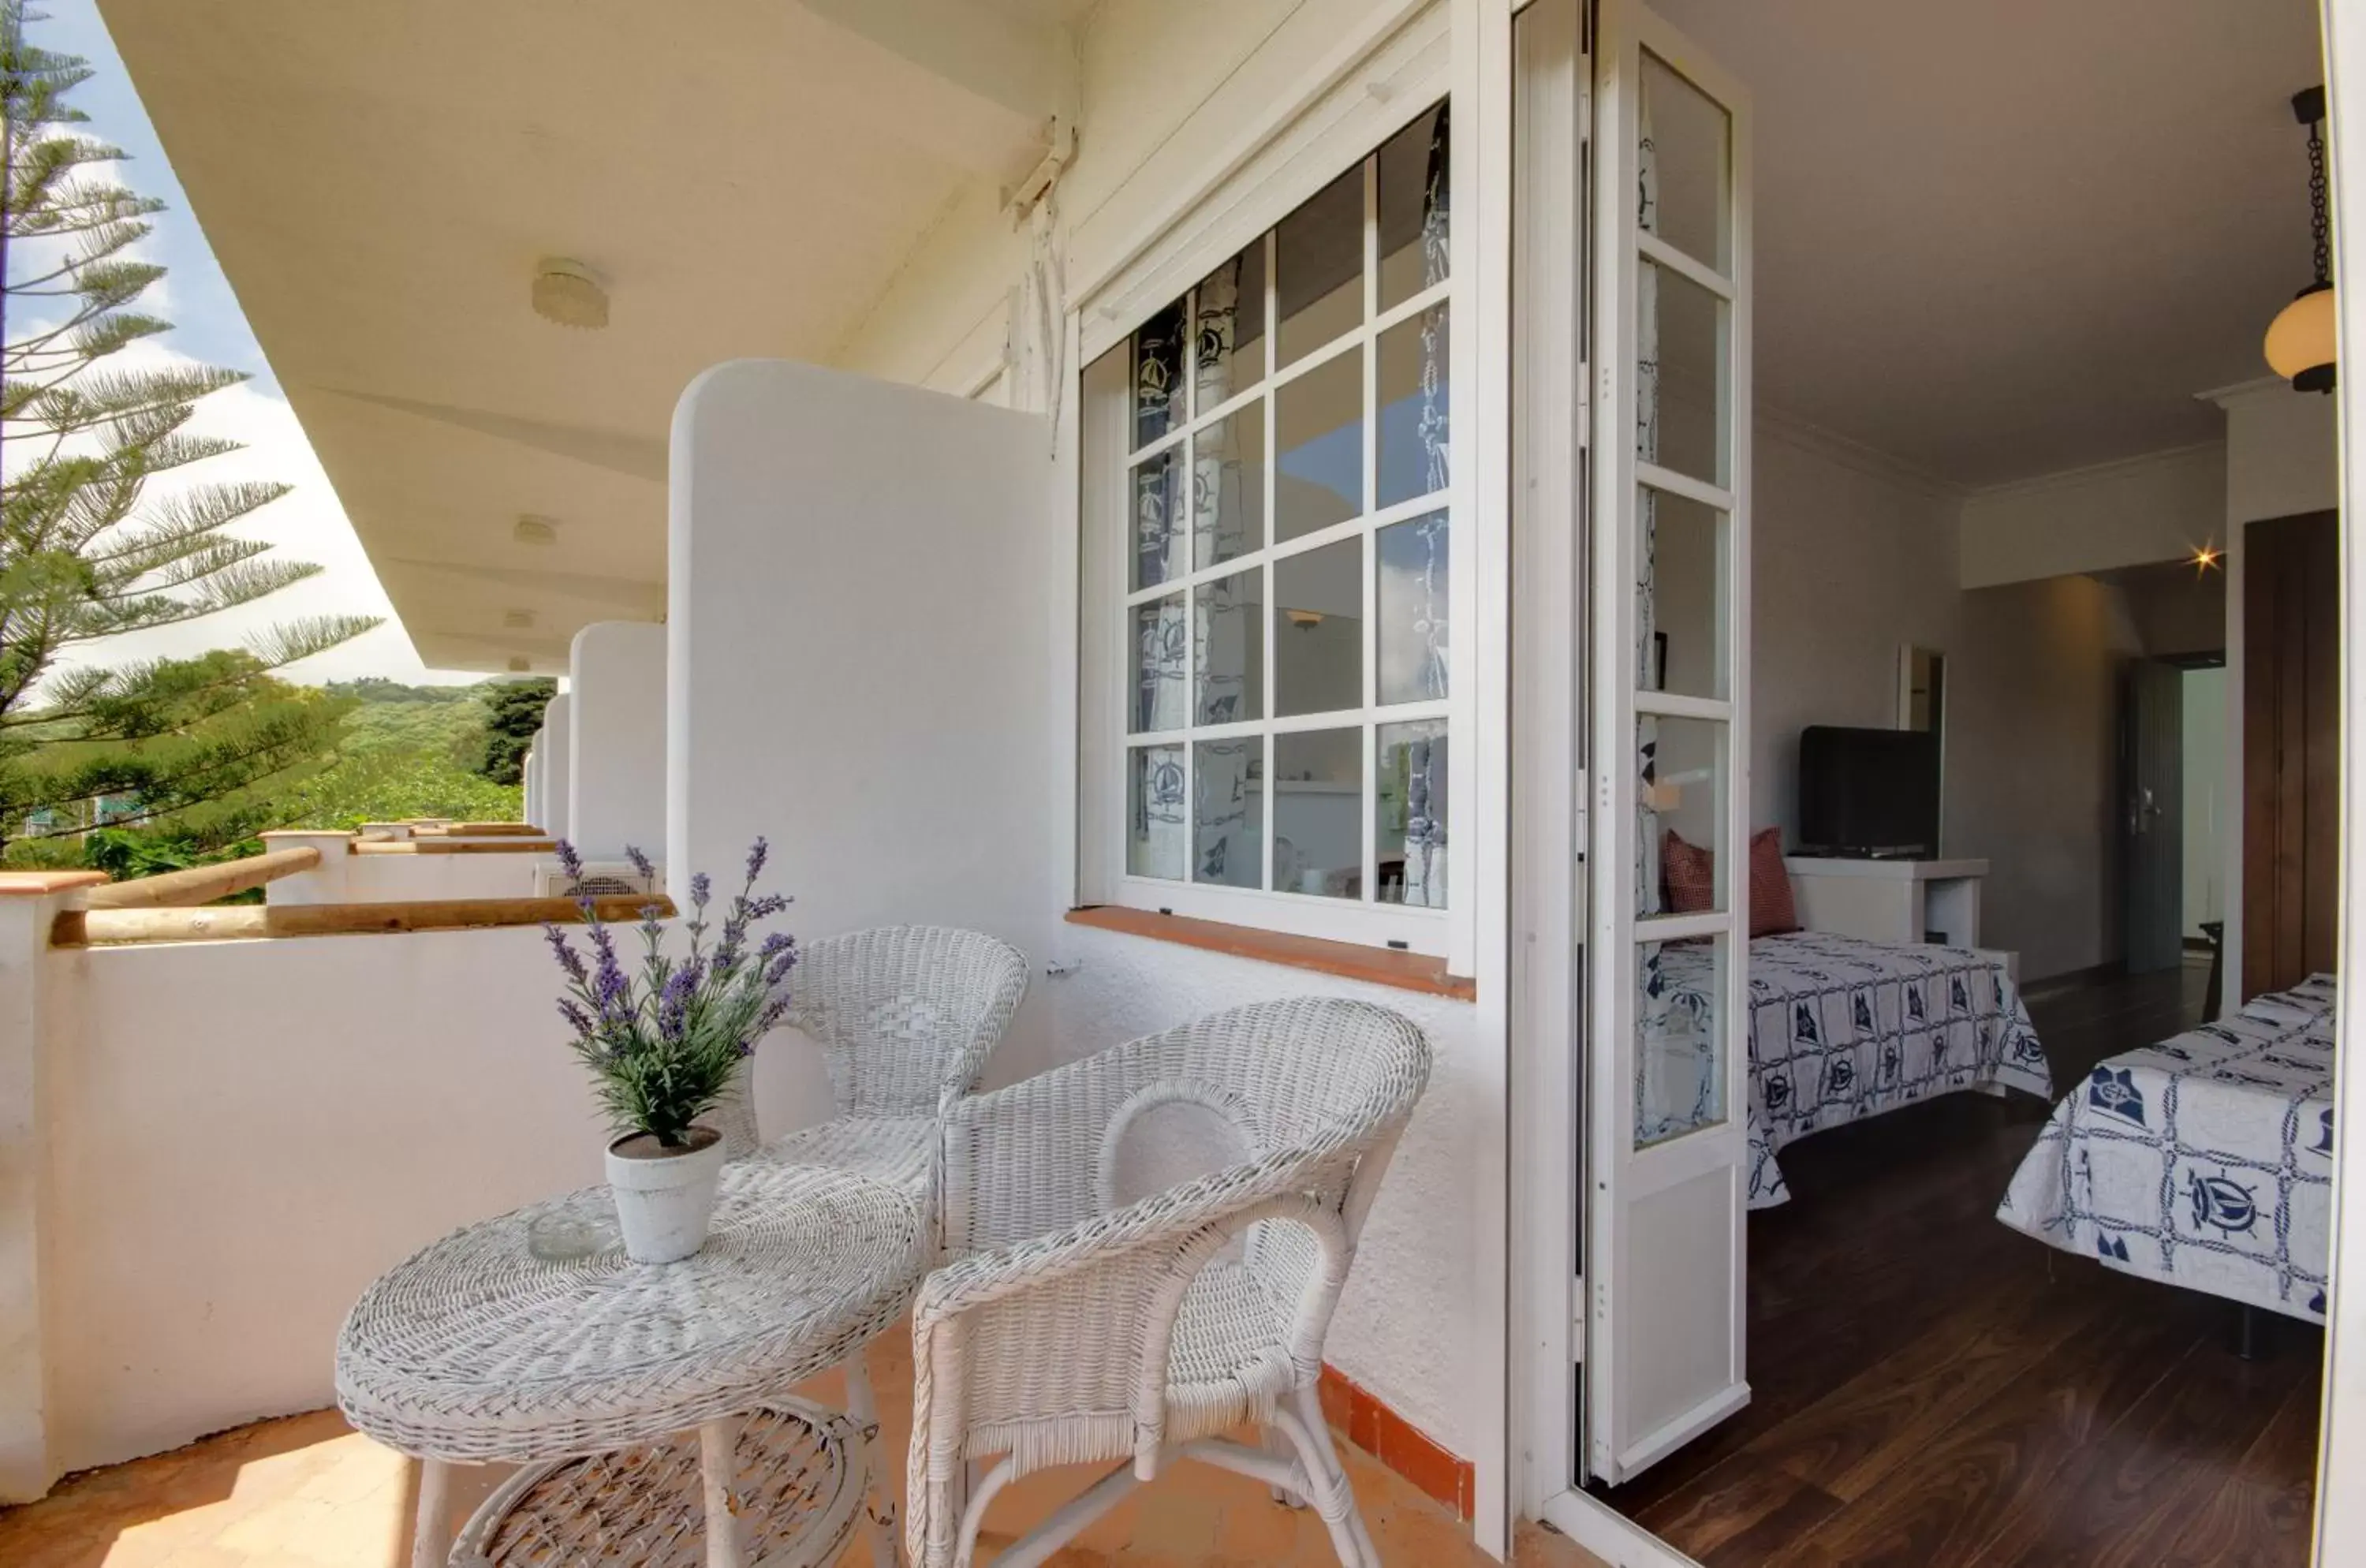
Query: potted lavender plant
(666, 1045)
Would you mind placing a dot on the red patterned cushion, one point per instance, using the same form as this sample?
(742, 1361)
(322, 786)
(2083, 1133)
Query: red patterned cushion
(1771, 910)
(1687, 876)
(1688, 879)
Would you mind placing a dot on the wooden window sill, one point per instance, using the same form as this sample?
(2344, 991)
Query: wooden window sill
(1347, 960)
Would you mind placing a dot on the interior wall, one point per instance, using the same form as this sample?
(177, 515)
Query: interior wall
(2155, 507)
(1854, 558)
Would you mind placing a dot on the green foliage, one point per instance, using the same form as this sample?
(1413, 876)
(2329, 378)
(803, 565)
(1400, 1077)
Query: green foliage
(379, 689)
(392, 785)
(86, 552)
(513, 712)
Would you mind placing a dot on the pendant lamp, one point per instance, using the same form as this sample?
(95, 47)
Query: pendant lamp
(2300, 345)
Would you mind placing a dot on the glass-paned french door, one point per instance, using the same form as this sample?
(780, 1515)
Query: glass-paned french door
(1666, 1098)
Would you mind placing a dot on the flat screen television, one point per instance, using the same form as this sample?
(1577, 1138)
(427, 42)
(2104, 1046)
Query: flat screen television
(1868, 792)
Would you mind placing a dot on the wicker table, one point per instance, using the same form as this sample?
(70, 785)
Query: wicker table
(532, 1337)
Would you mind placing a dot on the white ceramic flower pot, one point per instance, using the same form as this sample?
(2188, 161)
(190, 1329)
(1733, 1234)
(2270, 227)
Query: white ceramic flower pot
(664, 1197)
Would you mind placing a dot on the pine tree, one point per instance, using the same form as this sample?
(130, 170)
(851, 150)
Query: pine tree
(85, 554)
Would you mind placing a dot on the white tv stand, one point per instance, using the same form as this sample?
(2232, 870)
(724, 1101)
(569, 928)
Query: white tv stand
(1890, 900)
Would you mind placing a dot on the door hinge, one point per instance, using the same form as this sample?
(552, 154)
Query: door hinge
(1577, 1319)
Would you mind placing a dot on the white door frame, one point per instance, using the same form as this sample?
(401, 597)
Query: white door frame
(2341, 1457)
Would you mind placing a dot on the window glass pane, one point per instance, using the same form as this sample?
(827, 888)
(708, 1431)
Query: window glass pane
(1228, 816)
(1681, 1038)
(1228, 487)
(1318, 623)
(1409, 814)
(1415, 592)
(1415, 357)
(1684, 155)
(1158, 375)
(1154, 831)
(1228, 340)
(1683, 572)
(1319, 439)
(1228, 647)
(1319, 267)
(1680, 392)
(1159, 640)
(1158, 520)
(1318, 813)
(1682, 770)
(1413, 207)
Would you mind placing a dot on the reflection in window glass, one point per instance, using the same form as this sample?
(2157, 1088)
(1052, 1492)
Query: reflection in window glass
(1415, 594)
(1686, 161)
(1228, 335)
(1680, 384)
(1319, 267)
(1228, 814)
(1318, 625)
(1153, 833)
(1680, 1039)
(1409, 797)
(1414, 390)
(1318, 813)
(1414, 180)
(1319, 439)
(1685, 571)
(1158, 520)
(1681, 775)
(1228, 487)
(1158, 375)
(1160, 638)
(1228, 647)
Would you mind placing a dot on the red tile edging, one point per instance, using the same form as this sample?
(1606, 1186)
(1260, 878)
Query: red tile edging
(1365, 1420)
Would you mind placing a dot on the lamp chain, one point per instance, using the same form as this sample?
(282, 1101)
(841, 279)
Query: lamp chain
(2320, 225)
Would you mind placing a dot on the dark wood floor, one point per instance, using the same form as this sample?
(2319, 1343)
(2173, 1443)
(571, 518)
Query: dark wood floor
(1932, 1389)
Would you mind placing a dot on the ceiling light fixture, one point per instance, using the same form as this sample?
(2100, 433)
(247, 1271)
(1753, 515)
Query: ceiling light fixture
(2301, 340)
(520, 663)
(569, 293)
(1304, 620)
(517, 620)
(532, 530)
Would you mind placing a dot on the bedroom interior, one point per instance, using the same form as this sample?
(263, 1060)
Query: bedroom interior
(2041, 656)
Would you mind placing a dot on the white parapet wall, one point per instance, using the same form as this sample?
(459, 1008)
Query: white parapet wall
(555, 745)
(231, 1139)
(616, 776)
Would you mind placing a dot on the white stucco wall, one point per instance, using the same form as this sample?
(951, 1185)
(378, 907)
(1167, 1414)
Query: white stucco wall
(240, 1136)
(616, 773)
(555, 745)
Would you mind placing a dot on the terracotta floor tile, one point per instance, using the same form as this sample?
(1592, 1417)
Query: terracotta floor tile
(306, 1491)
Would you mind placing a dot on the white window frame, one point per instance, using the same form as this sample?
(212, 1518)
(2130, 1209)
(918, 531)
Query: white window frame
(1365, 920)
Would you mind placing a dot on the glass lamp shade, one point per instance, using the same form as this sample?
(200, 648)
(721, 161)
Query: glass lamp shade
(2301, 339)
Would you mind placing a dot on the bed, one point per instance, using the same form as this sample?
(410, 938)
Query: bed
(2205, 1160)
(1841, 1029)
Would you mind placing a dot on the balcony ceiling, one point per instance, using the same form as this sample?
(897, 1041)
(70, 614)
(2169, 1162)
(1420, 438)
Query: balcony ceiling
(379, 181)
(2004, 239)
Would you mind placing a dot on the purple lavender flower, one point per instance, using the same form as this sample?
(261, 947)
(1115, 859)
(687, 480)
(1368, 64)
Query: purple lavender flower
(774, 945)
(701, 889)
(564, 951)
(569, 862)
(757, 854)
(673, 1004)
(577, 1018)
(777, 975)
(640, 861)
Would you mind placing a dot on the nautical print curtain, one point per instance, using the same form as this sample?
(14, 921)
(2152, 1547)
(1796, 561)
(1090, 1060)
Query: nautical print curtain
(1224, 845)
(1426, 759)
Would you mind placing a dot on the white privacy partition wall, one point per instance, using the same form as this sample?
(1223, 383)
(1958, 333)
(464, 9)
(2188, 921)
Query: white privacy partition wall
(554, 747)
(617, 774)
(530, 785)
(860, 624)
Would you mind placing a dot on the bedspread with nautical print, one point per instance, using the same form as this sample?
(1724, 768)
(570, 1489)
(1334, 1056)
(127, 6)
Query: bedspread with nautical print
(1843, 1029)
(2205, 1160)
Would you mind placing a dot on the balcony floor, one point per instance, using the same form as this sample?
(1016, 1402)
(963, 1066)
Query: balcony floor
(309, 1492)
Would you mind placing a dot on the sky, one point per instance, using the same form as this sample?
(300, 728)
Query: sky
(307, 525)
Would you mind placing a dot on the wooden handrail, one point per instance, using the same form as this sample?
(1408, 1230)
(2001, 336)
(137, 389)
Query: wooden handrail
(203, 884)
(495, 831)
(452, 846)
(112, 928)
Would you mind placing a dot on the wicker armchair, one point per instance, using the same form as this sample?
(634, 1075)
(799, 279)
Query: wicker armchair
(906, 1017)
(1079, 1327)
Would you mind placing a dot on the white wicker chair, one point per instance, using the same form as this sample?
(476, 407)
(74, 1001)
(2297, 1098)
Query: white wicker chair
(1079, 1328)
(906, 1017)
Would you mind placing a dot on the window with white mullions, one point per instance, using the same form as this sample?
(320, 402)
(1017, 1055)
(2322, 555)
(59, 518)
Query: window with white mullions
(1282, 601)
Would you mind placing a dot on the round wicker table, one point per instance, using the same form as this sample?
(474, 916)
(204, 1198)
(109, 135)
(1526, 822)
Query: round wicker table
(531, 1338)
